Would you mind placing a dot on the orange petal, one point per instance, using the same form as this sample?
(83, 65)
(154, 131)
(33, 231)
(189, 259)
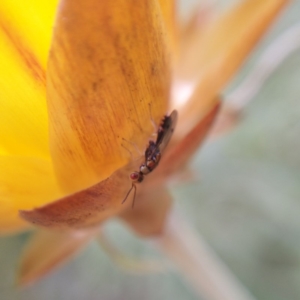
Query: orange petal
(108, 76)
(25, 182)
(48, 249)
(223, 48)
(168, 8)
(191, 35)
(33, 24)
(86, 208)
(149, 214)
(23, 113)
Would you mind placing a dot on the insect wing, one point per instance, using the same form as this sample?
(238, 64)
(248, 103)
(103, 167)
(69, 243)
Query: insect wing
(164, 135)
(151, 149)
(166, 131)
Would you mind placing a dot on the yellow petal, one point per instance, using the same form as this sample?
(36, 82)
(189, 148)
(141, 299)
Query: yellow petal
(23, 113)
(3, 151)
(108, 76)
(223, 49)
(48, 249)
(25, 182)
(33, 22)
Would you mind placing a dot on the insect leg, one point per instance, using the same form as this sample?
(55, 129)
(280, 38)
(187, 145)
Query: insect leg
(133, 186)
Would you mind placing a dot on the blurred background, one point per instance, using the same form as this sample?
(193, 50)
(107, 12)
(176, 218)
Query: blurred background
(245, 202)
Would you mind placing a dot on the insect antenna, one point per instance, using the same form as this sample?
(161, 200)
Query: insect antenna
(132, 144)
(128, 193)
(152, 121)
(134, 193)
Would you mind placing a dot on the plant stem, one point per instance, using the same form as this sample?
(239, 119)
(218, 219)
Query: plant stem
(208, 275)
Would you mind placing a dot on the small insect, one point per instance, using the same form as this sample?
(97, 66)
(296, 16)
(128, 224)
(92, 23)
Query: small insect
(153, 152)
